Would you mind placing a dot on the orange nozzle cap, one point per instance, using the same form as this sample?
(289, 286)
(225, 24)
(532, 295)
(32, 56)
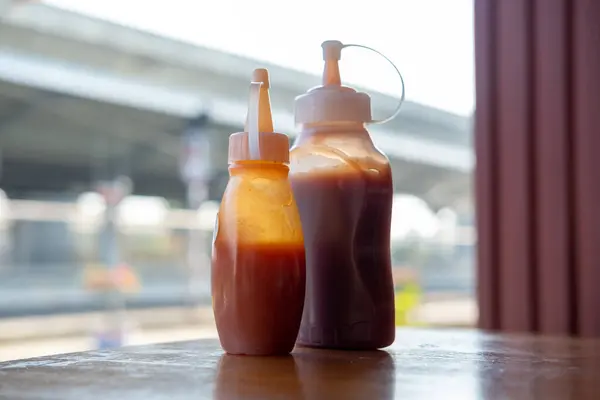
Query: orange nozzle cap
(261, 75)
(259, 142)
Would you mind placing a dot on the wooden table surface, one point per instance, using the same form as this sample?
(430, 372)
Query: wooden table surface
(422, 364)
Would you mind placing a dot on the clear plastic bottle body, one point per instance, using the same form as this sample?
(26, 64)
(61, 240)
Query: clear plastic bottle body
(343, 186)
(258, 262)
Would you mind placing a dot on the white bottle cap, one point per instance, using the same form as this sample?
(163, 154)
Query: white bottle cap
(332, 101)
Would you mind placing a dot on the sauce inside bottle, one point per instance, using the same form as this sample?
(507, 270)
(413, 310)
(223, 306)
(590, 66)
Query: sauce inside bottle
(346, 217)
(261, 303)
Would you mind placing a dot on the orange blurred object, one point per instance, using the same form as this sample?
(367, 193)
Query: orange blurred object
(122, 278)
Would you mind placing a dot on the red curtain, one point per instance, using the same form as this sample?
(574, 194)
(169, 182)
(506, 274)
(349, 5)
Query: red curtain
(538, 165)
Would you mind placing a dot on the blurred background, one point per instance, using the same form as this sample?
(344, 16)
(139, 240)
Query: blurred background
(114, 121)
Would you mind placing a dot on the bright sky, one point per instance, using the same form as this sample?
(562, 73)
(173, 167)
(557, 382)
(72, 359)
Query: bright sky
(431, 41)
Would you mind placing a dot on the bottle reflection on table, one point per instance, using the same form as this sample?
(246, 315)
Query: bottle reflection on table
(255, 377)
(307, 374)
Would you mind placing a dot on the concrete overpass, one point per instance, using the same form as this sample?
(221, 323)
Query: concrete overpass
(81, 96)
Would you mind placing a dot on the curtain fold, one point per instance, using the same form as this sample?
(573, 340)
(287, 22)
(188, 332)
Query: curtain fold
(537, 137)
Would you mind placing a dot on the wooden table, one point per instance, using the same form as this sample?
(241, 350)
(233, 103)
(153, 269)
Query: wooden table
(422, 364)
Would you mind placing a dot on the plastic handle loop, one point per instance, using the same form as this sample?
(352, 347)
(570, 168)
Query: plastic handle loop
(401, 101)
(253, 117)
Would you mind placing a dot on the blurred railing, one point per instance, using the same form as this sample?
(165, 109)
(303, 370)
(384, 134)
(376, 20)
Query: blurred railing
(36, 210)
(51, 257)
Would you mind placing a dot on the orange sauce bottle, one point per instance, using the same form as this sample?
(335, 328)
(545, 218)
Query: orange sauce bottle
(258, 261)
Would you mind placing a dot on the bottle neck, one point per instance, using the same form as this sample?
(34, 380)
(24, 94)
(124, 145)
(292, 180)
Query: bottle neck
(350, 125)
(348, 129)
(264, 169)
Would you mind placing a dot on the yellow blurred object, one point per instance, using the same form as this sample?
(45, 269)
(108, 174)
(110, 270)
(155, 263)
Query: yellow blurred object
(406, 300)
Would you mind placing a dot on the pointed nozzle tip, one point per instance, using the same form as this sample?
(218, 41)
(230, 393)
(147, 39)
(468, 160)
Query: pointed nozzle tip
(332, 50)
(261, 75)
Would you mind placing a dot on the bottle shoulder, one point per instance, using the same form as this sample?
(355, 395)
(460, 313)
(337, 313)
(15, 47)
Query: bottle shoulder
(338, 153)
(257, 210)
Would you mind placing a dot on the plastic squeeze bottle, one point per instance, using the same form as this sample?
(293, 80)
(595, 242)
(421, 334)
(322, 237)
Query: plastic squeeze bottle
(258, 262)
(343, 186)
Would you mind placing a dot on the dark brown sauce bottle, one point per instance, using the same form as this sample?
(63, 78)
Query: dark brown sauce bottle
(343, 187)
(345, 204)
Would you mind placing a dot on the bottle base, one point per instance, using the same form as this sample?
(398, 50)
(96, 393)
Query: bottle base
(259, 353)
(348, 345)
(263, 350)
(343, 347)
(357, 336)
